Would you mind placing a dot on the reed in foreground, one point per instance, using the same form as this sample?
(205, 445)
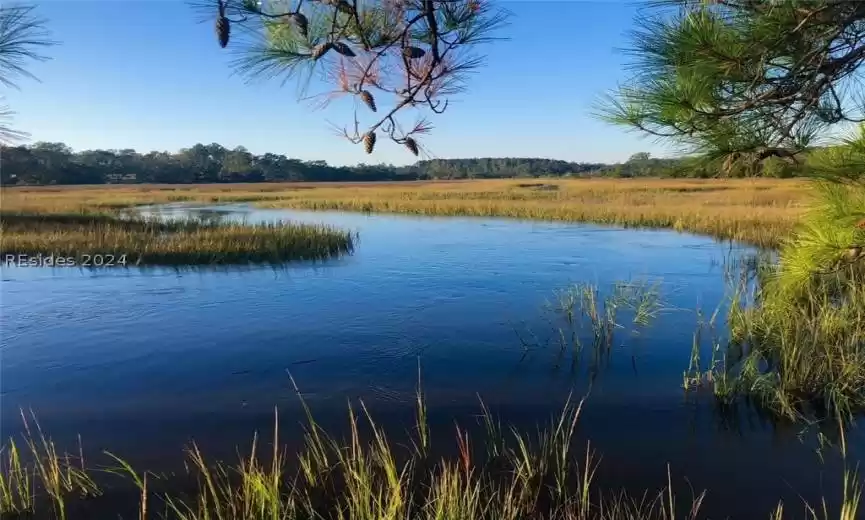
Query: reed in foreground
(103, 240)
(543, 476)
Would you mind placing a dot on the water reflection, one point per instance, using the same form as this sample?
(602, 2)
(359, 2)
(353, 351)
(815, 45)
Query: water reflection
(140, 361)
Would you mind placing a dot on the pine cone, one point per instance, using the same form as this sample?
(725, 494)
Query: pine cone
(413, 52)
(368, 100)
(223, 30)
(301, 22)
(319, 50)
(343, 49)
(853, 253)
(411, 144)
(861, 224)
(369, 142)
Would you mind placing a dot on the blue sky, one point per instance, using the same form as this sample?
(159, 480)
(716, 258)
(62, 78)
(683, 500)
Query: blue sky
(149, 75)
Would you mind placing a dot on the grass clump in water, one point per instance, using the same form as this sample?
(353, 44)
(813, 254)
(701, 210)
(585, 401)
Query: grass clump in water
(107, 240)
(582, 315)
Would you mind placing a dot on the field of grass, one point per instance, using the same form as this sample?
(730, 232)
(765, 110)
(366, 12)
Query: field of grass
(506, 475)
(756, 211)
(102, 240)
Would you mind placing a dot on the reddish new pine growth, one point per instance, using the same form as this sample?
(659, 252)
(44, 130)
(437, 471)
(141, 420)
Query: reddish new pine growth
(411, 53)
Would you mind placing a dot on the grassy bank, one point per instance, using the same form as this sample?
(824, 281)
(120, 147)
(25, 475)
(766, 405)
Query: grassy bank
(803, 335)
(757, 211)
(506, 475)
(104, 240)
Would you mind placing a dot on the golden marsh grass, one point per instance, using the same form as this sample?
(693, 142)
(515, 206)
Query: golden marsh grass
(756, 211)
(95, 240)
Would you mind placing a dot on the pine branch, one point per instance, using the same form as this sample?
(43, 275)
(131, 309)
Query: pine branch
(769, 76)
(22, 38)
(415, 51)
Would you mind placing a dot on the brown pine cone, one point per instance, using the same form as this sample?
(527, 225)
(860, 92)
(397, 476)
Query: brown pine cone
(368, 100)
(369, 142)
(411, 144)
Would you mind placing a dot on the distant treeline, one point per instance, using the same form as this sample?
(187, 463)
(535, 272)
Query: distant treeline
(56, 163)
(643, 165)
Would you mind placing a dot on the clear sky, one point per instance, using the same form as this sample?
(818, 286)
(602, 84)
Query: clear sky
(149, 75)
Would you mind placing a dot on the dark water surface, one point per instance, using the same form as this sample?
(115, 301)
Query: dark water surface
(141, 362)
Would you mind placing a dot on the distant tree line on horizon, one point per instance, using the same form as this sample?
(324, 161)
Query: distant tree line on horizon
(55, 163)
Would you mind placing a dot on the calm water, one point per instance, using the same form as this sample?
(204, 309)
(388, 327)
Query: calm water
(140, 362)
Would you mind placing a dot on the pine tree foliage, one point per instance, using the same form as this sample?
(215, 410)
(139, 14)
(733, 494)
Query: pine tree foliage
(744, 79)
(831, 241)
(391, 56)
(22, 39)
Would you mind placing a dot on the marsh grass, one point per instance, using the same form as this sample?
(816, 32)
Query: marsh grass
(544, 475)
(808, 353)
(586, 319)
(16, 481)
(757, 211)
(40, 470)
(797, 354)
(108, 240)
(715, 375)
(798, 324)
